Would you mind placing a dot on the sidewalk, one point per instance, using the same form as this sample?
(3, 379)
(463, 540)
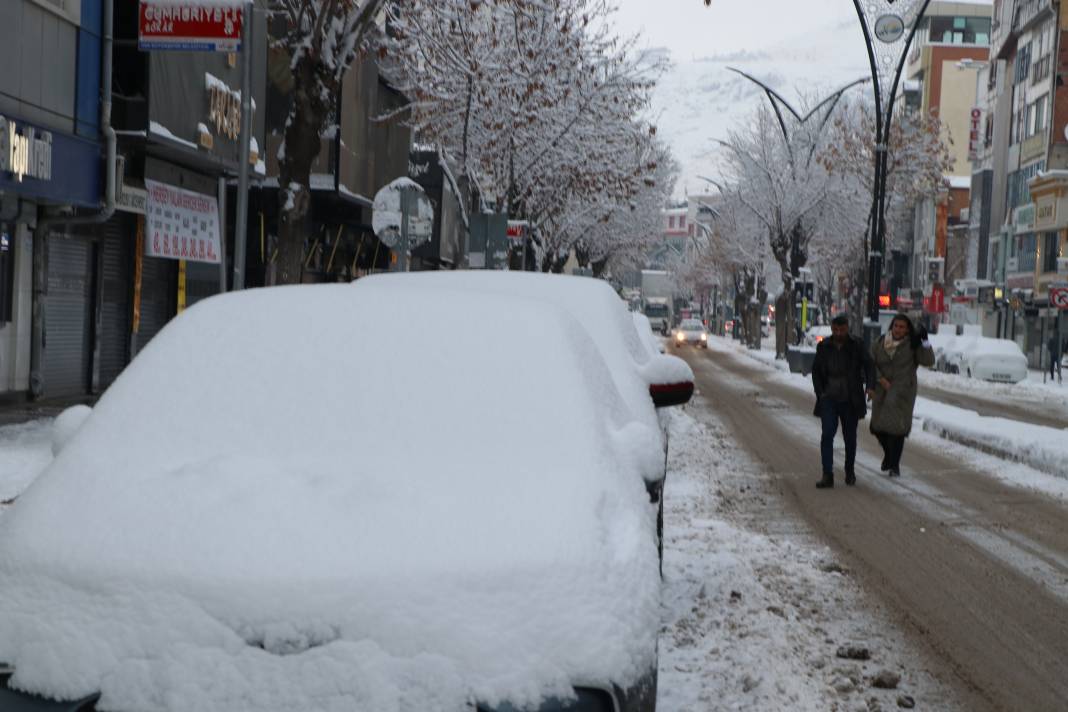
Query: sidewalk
(16, 411)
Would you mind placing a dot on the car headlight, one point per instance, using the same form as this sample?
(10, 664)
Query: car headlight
(704, 337)
(680, 336)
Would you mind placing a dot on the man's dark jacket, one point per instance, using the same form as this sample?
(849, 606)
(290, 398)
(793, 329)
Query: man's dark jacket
(859, 370)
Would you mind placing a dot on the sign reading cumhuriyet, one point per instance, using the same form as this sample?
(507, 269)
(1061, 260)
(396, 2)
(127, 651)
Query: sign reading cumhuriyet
(181, 224)
(190, 25)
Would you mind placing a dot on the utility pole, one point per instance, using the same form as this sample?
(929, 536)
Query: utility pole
(241, 217)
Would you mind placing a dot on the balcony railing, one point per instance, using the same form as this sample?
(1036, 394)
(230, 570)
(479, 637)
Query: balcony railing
(1028, 10)
(1040, 69)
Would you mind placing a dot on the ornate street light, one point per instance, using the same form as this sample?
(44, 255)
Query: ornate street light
(889, 26)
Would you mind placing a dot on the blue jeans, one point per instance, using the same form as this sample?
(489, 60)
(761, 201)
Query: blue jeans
(831, 412)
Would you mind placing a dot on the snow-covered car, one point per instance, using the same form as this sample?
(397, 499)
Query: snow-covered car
(288, 502)
(691, 332)
(991, 359)
(949, 353)
(645, 332)
(636, 371)
(816, 334)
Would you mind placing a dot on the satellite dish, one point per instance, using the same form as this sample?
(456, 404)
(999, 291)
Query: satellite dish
(391, 204)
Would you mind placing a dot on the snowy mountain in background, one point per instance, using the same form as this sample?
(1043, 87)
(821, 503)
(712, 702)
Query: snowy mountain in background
(699, 100)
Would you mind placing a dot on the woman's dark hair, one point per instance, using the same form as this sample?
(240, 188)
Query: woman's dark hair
(913, 337)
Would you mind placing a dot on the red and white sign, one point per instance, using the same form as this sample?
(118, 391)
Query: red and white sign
(975, 134)
(181, 224)
(517, 229)
(1058, 296)
(193, 25)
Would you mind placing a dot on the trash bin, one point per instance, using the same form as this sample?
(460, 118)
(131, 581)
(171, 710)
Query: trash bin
(800, 359)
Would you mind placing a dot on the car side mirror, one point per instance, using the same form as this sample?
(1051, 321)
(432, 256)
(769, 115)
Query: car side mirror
(665, 395)
(670, 380)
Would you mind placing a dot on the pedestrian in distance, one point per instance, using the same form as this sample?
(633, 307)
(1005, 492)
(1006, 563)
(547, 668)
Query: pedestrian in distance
(897, 356)
(841, 373)
(1056, 350)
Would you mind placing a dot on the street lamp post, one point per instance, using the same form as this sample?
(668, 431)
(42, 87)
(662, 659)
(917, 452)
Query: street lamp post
(889, 26)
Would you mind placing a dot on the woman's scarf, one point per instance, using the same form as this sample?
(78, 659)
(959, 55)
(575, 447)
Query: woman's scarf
(890, 344)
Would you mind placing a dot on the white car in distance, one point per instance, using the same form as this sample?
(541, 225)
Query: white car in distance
(691, 332)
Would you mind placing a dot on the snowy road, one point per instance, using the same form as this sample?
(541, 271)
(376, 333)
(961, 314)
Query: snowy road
(977, 568)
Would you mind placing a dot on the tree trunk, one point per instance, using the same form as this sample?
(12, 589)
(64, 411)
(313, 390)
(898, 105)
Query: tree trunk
(302, 143)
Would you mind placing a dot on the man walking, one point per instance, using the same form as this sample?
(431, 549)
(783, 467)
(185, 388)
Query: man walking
(1055, 352)
(841, 374)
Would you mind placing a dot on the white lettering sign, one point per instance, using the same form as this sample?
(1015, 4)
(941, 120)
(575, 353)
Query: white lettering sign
(25, 154)
(181, 224)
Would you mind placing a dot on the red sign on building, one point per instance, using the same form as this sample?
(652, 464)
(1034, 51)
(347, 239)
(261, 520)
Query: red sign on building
(190, 25)
(975, 134)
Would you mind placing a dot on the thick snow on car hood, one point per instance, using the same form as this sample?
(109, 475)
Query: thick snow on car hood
(292, 500)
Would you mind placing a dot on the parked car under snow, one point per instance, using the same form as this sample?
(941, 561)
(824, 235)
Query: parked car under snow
(287, 497)
(990, 359)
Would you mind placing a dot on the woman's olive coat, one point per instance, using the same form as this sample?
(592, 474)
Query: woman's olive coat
(891, 410)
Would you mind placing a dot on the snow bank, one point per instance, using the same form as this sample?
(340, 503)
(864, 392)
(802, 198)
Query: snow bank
(1043, 448)
(343, 497)
(25, 450)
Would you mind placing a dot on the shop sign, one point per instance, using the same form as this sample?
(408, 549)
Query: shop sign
(189, 26)
(25, 152)
(181, 224)
(1046, 212)
(224, 107)
(974, 133)
(131, 199)
(517, 229)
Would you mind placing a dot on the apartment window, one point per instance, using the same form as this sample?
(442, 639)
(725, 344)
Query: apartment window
(682, 221)
(1017, 191)
(1023, 63)
(1050, 252)
(1026, 248)
(988, 131)
(1040, 116)
(671, 222)
(1040, 69)
(960, 30)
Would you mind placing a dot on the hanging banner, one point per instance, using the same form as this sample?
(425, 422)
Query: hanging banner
(181, 224)
(195, 26)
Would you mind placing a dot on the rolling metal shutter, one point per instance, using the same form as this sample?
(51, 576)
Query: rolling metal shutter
(117, 236)
(158, 278)
(201, 281)
(67, 354)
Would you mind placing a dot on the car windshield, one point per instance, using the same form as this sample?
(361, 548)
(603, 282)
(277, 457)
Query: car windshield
(656, 310)
(692, 326)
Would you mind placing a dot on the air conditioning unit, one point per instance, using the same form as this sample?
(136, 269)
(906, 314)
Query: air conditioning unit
(1011, 264)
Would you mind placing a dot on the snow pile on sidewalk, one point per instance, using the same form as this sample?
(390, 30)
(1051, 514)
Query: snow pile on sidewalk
(756, 611)
(1031, 391)
(25, 450)
(1043, 448)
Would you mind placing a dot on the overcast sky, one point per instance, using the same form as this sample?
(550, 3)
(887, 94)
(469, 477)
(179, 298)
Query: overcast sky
(692, 30)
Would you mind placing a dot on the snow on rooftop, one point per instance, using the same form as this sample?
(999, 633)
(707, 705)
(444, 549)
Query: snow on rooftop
(342, 494)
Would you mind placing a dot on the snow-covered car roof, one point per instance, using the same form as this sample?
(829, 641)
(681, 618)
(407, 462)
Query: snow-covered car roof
(597, 308)
(292, 499)
(986, 346)
(645, 334)
(691, 324)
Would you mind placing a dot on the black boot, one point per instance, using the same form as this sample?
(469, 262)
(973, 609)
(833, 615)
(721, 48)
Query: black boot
(851, 476)
(886, 463)
(895, 472)
(827, 481)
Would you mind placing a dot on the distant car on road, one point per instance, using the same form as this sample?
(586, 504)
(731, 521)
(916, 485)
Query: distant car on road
(691, 332)
(816, 334)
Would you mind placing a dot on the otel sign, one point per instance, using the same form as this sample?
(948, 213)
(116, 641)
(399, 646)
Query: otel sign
(889, 28)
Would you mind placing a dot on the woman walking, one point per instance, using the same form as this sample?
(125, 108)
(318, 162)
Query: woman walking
(897, 356)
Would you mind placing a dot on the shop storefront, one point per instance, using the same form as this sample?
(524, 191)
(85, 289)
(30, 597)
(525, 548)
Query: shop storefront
(43, 169)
